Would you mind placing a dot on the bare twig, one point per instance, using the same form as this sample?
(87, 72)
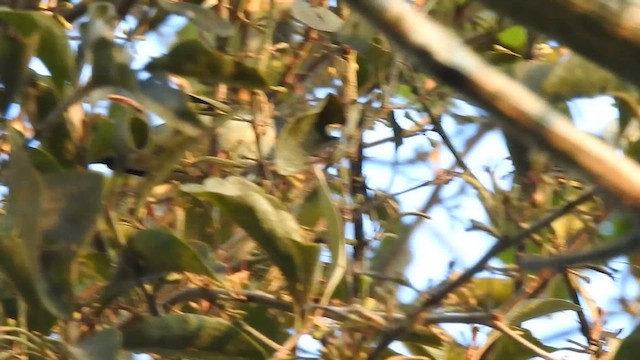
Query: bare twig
(358, 191)
(258, 335)
(584, 323)
(439, 293)
(625, 245)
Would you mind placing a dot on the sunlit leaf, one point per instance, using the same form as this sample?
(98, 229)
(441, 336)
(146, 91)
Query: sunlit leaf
(205, 19)
(319, 18)
(514, 37)
(486, 293)
(192, 336)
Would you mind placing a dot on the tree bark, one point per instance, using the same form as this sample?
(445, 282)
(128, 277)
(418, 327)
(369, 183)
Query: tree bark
(528, 117)
(606, 31)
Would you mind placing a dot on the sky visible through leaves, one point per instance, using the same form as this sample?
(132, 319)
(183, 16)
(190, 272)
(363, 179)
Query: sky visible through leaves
(392, 171)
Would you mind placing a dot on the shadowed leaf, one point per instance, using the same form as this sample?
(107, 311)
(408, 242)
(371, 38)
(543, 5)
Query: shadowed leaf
(306, 135)
(266, 220)
(205, 19)
(53, 47)
(192, 336)
(151, 253)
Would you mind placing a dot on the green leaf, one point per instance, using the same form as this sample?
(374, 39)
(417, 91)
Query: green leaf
(393, 254)
(192, 58)
(448, 351)
(304, 136)
(131, 130)
(191, 336)
(514, 38)
(205, 19)
(198, 220)
(488, 293)
(53, 47)
(533, 308)
(49, 218)
(111, 66)
(508, 348)
(275, 326)
(57, 141)
(150, 253)
(266, 220)
(43, 161)
(318, 18)
(71, 204)
(102, 345)
(630, 346)
(15, 52)
(20, 236)
(101, 139)
(157, 251)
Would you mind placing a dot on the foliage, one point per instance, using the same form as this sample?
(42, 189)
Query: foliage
(238, 213)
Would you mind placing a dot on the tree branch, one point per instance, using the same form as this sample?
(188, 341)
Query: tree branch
(621, 246)
(439, 293)
(526, 115)
(606, 31)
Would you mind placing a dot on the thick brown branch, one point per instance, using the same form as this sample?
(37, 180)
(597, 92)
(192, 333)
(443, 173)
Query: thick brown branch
(606, 31)
(526, 115)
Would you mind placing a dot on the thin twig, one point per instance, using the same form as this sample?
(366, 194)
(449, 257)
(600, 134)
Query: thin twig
(584, 323)
(439, 293)
(258, 335)
(506, 330)
(624, 245)
(358, 190)
(529, 117)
